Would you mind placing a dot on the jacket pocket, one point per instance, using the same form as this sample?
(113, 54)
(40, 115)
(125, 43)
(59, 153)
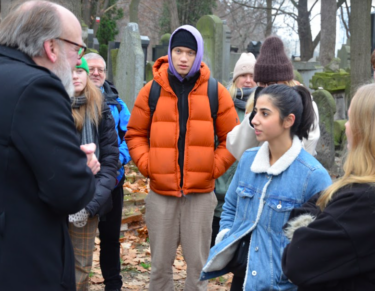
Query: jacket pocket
(2, 223)
(278, 212)
(245, 196)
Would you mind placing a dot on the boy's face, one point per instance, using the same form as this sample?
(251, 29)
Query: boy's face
(183, 59)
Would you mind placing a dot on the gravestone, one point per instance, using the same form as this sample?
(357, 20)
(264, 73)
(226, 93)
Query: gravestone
(96, 44)
(307, 70)
(212, 30)
(110, 72)
(161, 49)
(148, 70)
(233, 57)
(344, 55)
(90, 38)
(145, 42)
(254, 48)
(226, 53)
(130, 65)
(326, 145)
(334, 80)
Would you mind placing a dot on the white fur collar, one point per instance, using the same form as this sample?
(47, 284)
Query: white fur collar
(261, 161)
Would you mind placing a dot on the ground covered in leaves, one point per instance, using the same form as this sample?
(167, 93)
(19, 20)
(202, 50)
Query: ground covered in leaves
(135, 249)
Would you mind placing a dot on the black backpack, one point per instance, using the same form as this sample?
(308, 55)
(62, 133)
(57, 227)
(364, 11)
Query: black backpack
(212, 93)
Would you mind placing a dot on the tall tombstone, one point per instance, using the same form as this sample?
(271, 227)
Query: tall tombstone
(130, 65)
(111, 46)
(226, 53)
(145, 42)
(90, 38)
(96, 44)
(212, 29)
(344, 55)
(254, 47)
(326, 145)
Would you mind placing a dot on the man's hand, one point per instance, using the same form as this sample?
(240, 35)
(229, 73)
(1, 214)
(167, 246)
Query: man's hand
(92, 161)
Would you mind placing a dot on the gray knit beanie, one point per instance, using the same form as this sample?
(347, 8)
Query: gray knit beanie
(272, 64)
(244, 65)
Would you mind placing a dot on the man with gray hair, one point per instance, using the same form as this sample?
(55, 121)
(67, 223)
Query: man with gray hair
(44, 175)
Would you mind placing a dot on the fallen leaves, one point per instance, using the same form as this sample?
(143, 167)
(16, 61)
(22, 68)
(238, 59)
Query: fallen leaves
(135, 251)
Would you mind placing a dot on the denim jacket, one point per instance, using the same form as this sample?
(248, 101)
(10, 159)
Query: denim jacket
(259, 200)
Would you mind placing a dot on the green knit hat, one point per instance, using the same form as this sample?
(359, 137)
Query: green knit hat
(83, 65)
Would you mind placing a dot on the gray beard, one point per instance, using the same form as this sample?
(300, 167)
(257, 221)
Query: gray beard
(63, 70)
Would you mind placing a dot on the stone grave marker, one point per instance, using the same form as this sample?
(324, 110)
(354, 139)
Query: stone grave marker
(90, 38)
(145, 42)
(344, 55)
(212, 29)
(326, 145)
(130, 65)
(161, 49)
(111, 46)
(96, 44)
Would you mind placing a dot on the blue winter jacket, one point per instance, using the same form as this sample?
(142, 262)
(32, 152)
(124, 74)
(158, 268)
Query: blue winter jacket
(259, 200)
(121, 116)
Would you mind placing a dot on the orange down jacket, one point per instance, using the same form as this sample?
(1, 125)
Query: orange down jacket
(153, 145)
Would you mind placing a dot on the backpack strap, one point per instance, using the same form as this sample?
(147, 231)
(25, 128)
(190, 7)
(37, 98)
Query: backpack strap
(213, 97)
(153, 98)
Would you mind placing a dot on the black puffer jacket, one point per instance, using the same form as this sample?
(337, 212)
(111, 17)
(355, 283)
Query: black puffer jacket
(108, 158)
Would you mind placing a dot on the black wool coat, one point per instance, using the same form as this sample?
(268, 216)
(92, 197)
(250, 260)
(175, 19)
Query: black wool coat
(105, 179)
(336, 251)
(43, 177)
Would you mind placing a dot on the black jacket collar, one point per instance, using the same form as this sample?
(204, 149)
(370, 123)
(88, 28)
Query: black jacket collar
(16, 55)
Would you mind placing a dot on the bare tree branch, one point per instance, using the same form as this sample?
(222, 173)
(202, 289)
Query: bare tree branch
(312, 6)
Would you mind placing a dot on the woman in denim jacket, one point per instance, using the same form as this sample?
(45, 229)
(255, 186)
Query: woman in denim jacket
(270, 181)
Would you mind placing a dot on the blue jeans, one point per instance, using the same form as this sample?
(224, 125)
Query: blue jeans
(109, 234)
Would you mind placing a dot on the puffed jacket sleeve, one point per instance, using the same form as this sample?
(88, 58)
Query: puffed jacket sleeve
(226, 120)
(241, 138)
(311, 142)
(123, 124)
(105, 179)
(137, 137)
(338, 244)
(45, 135)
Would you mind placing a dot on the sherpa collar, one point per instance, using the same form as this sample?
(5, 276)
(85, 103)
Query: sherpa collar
(261, 163)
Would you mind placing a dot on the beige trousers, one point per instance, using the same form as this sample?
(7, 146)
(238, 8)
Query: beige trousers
(83, 240)
(172, 221)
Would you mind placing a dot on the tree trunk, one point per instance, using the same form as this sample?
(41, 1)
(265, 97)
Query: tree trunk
(360, 44)
(304, 31)
(328, 31)
(269, 19)
(86, 12)
(172, 4)
(133, 11)
(99, 12)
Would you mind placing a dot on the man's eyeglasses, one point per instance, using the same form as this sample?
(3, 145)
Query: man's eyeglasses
(81, 50)
(101, 71)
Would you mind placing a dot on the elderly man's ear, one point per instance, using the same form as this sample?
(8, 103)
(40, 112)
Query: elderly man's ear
(52, 50)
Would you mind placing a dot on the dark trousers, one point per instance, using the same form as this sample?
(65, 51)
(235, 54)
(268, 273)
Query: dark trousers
(237, 283)
(109, 234)
(215, 229)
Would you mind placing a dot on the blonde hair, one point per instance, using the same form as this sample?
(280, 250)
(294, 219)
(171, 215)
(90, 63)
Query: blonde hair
(93, 105)
(250, 101)
(359, 166)
(233, 89)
